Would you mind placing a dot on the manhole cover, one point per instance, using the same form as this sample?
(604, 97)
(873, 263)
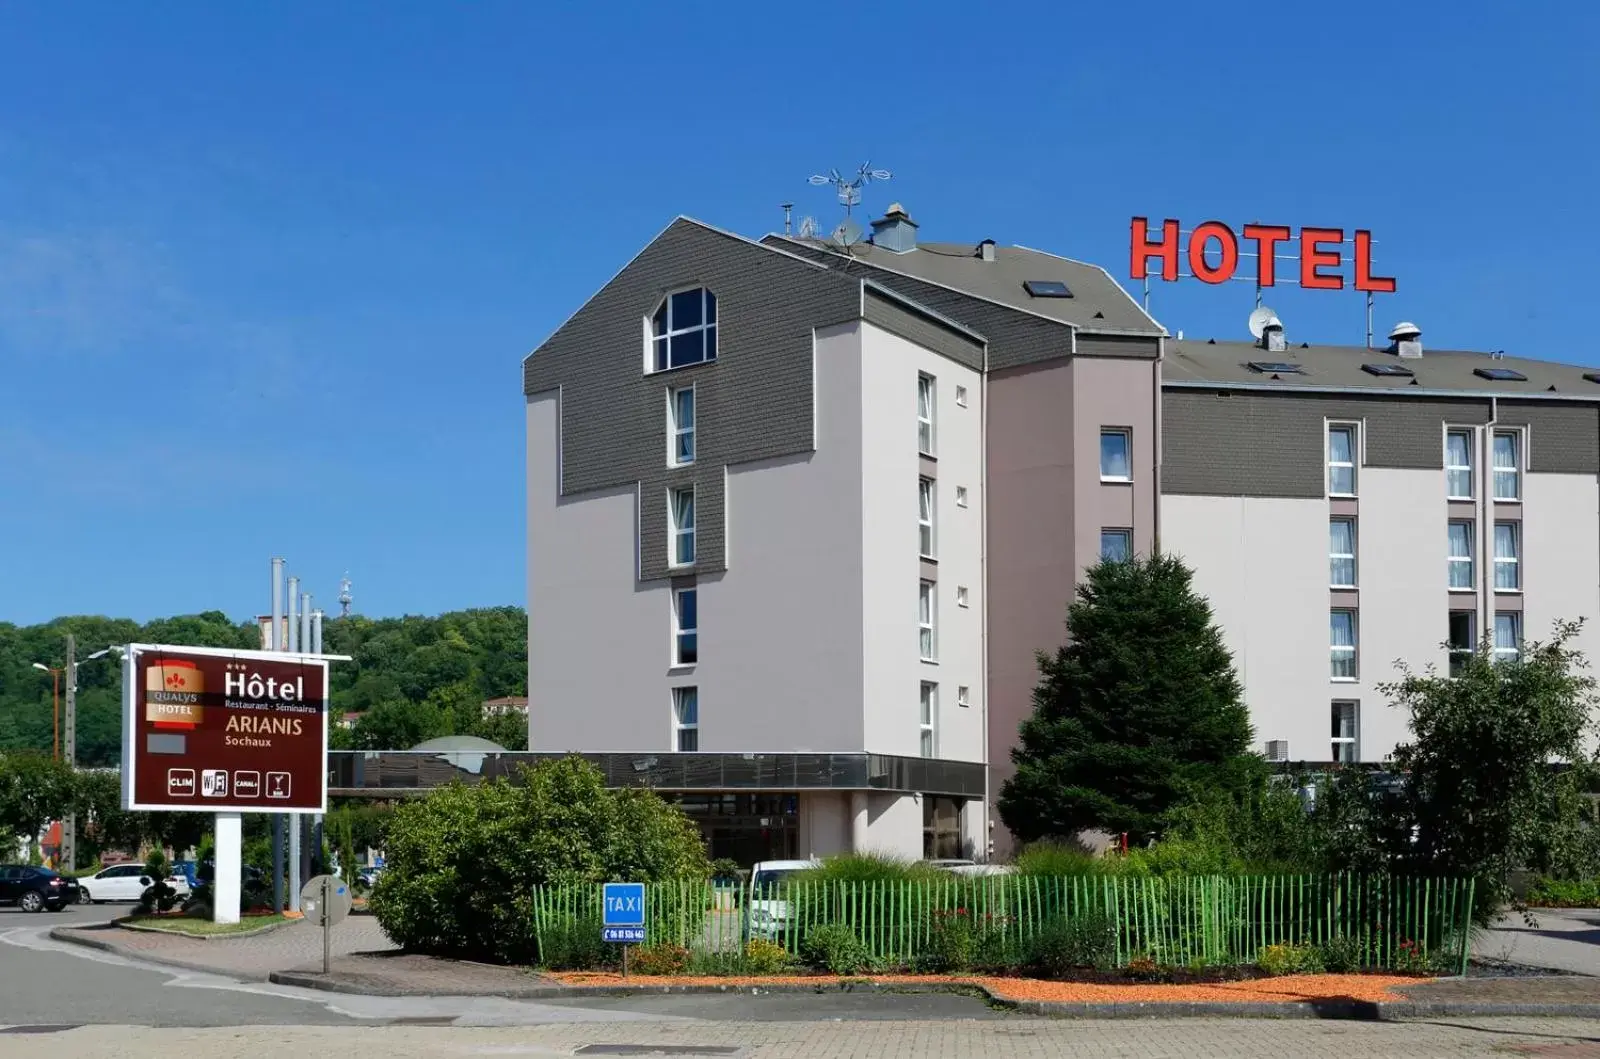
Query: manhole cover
(657, 1049)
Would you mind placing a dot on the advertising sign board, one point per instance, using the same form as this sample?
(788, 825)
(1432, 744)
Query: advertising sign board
(622, 912)
(214, 730)
(1320, 249)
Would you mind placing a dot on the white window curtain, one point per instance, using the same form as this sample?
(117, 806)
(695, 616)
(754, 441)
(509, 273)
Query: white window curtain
(1341, 460)
(1507, 484)
(925, 619)
(929, 719)
(1461, 555)
(1342, 644)
(683, 425)
(686, 710)
(683, 526)
(1342, 553)
(1507, 637)
(1458, 463)
(1344, 732)
(925, 515)
(1507, 568)
(925, 415)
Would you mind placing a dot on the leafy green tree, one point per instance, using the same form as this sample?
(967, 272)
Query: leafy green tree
(34, 790)
(103, 823)
(1137, 712)
(1497, 765)
(462, 865)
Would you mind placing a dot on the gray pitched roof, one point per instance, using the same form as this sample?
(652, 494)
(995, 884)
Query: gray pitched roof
(1098, 303)
(1340, 367)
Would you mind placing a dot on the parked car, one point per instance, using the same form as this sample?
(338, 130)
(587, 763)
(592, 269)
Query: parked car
(34, 889)
(765, 916)
(124, 882)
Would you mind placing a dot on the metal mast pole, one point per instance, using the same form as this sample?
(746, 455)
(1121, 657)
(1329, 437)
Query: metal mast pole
(69, 825)
(275, 642)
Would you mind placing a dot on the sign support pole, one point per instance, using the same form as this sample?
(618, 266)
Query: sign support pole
(327, 924)
(229, 856)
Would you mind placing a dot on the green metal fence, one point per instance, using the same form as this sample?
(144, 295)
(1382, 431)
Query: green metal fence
(1381, 921)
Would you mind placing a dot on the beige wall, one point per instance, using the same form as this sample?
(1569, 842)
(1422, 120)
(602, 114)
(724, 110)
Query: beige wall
(1561, 556)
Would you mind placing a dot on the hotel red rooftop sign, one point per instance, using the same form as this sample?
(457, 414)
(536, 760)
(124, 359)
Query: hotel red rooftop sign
(1321, 250)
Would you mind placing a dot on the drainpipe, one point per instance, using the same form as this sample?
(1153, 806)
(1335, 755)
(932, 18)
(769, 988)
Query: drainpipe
(983, 842)
(1155, 442)
(1486, 524)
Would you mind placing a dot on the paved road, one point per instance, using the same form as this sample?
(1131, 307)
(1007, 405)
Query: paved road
(1562, 939)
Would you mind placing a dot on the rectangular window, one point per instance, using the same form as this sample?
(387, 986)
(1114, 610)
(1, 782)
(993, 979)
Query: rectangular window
(686, 719)
(1507, 636)
(680, 426)
(1507, 557)
(961, 496)
(1460, 554)
(961, 595)
(1116, 455)
(685, 628)
(1342, 644)
(1463, 640)
(1507, 465)
(1458, 464)
(963, 696)
(1342, 552)
(961, 396)
(1346, 726)
(1116, 545)
(1342, 460)
(925, 407)
(925, 502)
(930, 720)
(927, 614)
(681, 511)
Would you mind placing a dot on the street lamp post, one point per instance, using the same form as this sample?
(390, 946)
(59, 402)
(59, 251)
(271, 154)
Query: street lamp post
(55, 713)
(69, 826)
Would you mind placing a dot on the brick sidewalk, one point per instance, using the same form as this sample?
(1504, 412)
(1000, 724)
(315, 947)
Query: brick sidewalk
(298, 945)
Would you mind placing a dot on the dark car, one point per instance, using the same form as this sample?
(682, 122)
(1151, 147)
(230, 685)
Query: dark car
(35, 889)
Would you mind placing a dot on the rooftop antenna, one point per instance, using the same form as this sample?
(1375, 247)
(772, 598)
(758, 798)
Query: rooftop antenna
(808, 227)
(850, 190)
(787, 208)
(345, 599)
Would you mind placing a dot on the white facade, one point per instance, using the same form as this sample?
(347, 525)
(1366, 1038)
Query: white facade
(810, 641)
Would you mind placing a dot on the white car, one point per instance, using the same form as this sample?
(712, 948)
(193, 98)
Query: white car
(765, 915)
(124, 882)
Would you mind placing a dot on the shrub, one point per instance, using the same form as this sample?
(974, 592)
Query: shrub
(765, 957)
(1066, 944)
(870, 868)
(1290, 959)
(725, 870)
(952, 942)
(836, 949)
(659, 959)
(464, 864)
(1564, 893)
(158, 896)
(572, 945)
(1341, 954)
(1059, 858)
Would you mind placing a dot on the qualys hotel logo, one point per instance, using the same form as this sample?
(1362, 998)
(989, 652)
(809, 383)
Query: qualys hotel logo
(172, 691)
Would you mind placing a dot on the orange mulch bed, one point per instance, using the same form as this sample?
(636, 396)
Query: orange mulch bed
(1287, 989)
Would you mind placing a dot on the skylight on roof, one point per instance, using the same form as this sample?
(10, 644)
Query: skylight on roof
(1500, 374)
(1387, 369)
(1046, 288)
(1279, 367)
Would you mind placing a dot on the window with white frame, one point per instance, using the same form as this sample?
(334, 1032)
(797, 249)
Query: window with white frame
(684, 330)
(1507, 556)
(1116, 545)
(927, 614)
(680, 512)
(961, 496)
(1342, 552)
(1342, 644)
(925, 410)
(1460, 537)
(1342, 459)
(1507, 465)
(925, 509)
(1346, 731)
(930, 720)
(1507, 636)
(1116, 454)
(961, 595)
(686, 719)
(680, 426)
(685, 627)
(963, 695)
(961, 396)
(1458, 464)
(1462, 639)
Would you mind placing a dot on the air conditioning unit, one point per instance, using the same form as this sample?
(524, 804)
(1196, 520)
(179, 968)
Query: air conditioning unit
(1277, 750)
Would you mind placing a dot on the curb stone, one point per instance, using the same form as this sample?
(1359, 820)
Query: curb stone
(164, 961)
(1378, 1011)
(144, 929)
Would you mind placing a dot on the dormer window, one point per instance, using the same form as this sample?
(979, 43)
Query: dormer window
(684, 330)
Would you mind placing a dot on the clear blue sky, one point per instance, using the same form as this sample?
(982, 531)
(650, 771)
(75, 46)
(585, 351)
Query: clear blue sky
(267, 272)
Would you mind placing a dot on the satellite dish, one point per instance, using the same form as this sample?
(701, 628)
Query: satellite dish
(1262, 319)
(808, 227)
(848, 233)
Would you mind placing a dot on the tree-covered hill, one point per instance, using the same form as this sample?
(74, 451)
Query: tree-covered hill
(413, 678)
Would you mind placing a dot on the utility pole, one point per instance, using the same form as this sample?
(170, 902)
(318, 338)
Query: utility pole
(69, 826)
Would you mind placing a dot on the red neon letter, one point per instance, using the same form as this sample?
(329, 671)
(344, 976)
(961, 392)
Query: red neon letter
(1144, 249)
(1267, 237)
(1365, 280)
(1198, 265)
(1313, 258)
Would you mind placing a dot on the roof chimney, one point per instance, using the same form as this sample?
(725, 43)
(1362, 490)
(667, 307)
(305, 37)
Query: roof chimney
(895, 231)
(1406, 339)
(986, 249)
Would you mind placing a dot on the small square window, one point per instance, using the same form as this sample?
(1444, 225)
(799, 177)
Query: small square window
(961, 595)
(1116, 545)
(1116, 455)
(961, 396)
(963, 696)
(961, 496)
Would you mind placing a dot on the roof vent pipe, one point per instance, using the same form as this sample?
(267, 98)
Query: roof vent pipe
(895, 231)
(986, 250)
(1407, 339)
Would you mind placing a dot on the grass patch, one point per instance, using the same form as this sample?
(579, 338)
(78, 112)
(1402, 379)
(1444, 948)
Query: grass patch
(203, 927)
